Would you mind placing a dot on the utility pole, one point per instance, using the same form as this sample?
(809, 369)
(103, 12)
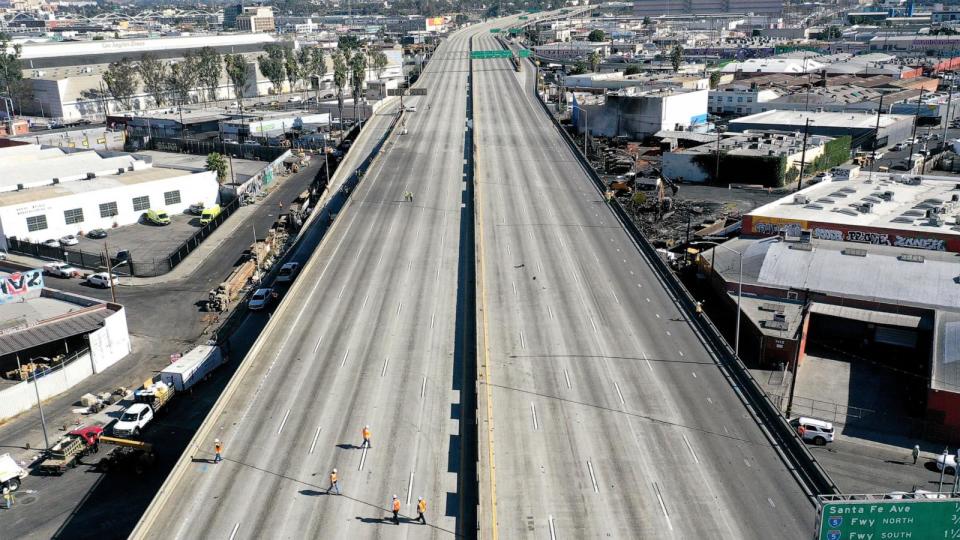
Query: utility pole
(803, 154)
(106, 253)
(716, 165)
(43, 421)
(913, 137)
(947, 118)
(876, 139)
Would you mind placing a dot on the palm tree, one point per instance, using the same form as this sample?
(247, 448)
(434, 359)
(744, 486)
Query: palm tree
(339, 80)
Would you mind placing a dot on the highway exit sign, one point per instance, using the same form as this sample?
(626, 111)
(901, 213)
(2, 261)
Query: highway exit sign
(904, 518)
(523, 53)
(494, 30)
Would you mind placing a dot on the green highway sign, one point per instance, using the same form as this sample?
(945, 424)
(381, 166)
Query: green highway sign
(524, 17)
(523, 53)
(483, 55)
(515, 31)
(913, 518)
(494, 30)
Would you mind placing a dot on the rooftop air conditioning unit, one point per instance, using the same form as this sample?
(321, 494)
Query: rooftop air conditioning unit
(865, 208)
(887, 195)
(19, 187)
(56, 181)
(955, 197)
(91, 176)
(121, 170)
(801, 199)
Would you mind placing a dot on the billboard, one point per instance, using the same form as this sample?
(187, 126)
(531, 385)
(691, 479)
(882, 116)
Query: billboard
(14, 287)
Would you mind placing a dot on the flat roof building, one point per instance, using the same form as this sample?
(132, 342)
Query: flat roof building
(860, 126)
(920, 212)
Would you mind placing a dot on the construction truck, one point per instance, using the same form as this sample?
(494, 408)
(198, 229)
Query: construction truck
(68, 451)
(127, 455)
(156, 394)
(11, 473)
(218, 299)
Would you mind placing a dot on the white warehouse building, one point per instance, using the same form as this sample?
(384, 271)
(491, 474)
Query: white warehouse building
(47, 193)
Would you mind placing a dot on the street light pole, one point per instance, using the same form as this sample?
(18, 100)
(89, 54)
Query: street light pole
(36, 386)
(736, 338)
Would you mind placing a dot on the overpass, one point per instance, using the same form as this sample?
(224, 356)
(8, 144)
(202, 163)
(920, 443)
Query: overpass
(602, 410)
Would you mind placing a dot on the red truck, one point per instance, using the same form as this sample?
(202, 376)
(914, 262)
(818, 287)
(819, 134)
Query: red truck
(68, 450)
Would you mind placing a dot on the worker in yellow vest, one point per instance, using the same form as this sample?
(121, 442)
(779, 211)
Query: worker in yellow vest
(396, 510)
(334, 482)
(366, 437)
(421, 508)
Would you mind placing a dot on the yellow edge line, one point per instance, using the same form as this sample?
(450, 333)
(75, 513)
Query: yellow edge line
(486, 333)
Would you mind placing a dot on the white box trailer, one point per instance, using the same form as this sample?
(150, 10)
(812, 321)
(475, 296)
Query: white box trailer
(192, 367)
(10, 473)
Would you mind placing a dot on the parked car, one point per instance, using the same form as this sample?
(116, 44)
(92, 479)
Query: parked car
(133, 420)
(97, 234)
(823, 177)
(69, 240)
(52, 243)
(102, 280)
(260, 299)
(288, 272)
(158, 217)
(196, 208)
(209, 214)
(899, 146)
(819, 432)
(60, 269)
(294, 99)
(410, 108)
(951, 463)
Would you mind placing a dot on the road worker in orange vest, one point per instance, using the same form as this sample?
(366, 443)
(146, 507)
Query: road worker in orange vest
(366, 437)
(421, 508)
(217, 448)
(334, 482)
(396, 510)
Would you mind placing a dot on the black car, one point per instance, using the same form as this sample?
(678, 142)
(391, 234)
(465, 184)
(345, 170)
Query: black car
(97, 234)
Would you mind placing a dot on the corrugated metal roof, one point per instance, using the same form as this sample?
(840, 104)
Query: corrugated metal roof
(53, 331)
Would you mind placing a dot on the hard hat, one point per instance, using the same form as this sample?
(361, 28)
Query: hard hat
(216, 440)
(366, 427)
(394, 496)
(419, 498)
(334, 470)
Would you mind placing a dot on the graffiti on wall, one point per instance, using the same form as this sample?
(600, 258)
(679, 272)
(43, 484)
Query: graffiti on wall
(14, 286)
(880, 239)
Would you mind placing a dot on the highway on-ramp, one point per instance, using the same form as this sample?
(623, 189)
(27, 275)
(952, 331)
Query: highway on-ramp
(608, 418)
(366, 336)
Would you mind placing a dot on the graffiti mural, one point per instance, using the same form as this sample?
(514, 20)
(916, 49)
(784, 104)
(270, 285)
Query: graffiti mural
(17, 284)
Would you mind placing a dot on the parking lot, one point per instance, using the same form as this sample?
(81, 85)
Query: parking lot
(144, 241)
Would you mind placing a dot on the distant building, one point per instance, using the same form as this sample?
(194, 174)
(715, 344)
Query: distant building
(739, 100)
(574, 50)
(860, 126)
(767, 155)
(230, 14)
(256, 19)
(656, 8)
(639, 114)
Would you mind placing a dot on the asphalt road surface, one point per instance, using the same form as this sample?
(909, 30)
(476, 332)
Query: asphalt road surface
(610, 418)
(366, 336)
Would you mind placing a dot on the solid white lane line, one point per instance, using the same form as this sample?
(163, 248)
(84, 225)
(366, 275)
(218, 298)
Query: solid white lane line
(363, 457)
(567, 377)
(315, 437)
(690, 448)
(649, 365)
(668, 333)
(550, 312)
(344, 361)
(593, 477)
(681, 353)
(533, 412)
(399, 307)
(409, 488)
(234, 532)
(319, 341)
(365, 298)
(694, 373)
(658, 315)
(284, 421)
(769, 500)
(553, 532)
(423, 387)
(514, 283)
(663, 507)
(341, 291)
(595, 331)
(522, 345)
(433, 317)
(614, 293)
(710, 401)
(539, 268)
(379, 259)
(384, 370)
(619, 393)
(747, 463)
(648, 299)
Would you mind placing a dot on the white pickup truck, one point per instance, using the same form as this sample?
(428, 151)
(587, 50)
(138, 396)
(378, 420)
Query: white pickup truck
(10, 473)
(133, 420)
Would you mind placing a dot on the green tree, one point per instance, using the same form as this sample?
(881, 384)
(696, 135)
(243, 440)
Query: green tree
(594, 61)
(715, 79)
(153, 73)
(217, 162)
(272, 66)
(646, 21)
(791, 174)
(315, 64)
(340, 74)
(348, 42)
(181, 80)
(209, 68)
(379, 61)
(11, 72)
(358, 74)
(238, 71)
(632, 70)
(292, 66)
(676, 57)
(121, 80)
(579, 68)
(596, 35)
(833, 32)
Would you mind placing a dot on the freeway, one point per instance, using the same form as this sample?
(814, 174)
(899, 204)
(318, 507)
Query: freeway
(606, 415)
(366, 336)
